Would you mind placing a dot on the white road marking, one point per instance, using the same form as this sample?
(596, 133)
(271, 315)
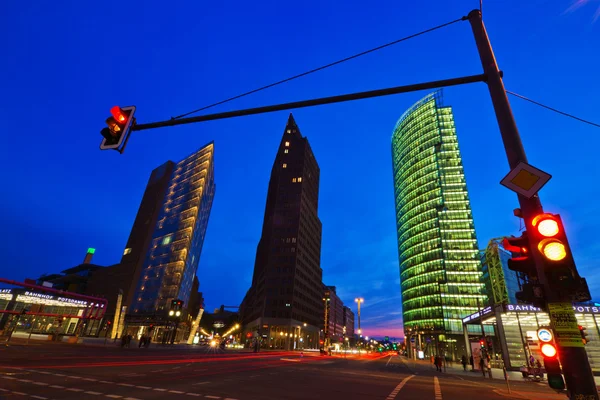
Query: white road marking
(143, 387)
(212, 397)
(113, 396)
(25, 380)
(20, 393)
(57, 386)
(74, 390)
(94, 393)
(394, 393)
(176, 391)
(4, 390)
(386, 364)
(194, 394)
(88, 379)
(201, 383)
(110, 383)
(44, 372)
(9, 377)
(59, 375)
(125, 384)
(437, 389)
(160, 390)
(40, 383)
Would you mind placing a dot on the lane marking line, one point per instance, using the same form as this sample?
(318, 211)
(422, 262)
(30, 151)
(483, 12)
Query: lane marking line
(126, 384)
(94, 393)
(194, 394)
(201, 383)
(74, 390)
(40, 383)
(176, 391)
(437, 389)
(386, 364)
(394, 393)
(56, 386)
(38, 397)
(212, 397)
(113, 396)
(110, 383)
(160, 390)
(143, 387)
(19, 393)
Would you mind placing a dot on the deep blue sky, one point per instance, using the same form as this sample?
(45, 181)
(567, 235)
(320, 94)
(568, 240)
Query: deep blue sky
(66, 63)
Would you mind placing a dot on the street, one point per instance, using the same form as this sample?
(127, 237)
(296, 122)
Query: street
(62, 371)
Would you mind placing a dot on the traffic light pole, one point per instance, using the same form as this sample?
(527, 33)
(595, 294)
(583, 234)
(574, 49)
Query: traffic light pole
(574, 360)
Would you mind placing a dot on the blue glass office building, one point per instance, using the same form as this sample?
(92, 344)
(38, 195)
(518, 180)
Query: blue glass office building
(501, 283)
(173, 252)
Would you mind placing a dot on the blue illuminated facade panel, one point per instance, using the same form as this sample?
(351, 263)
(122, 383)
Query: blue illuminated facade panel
(172, 259)
(440, 268)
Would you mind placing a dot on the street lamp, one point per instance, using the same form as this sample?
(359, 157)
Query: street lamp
(359, 300)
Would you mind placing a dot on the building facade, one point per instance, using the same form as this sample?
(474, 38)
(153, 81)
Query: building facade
(501, 283)
(283, 308)
(349, 322)
(172, 254)
(333, 326)
(440, 266)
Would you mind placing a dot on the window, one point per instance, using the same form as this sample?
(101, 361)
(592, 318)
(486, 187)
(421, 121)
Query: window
(167, 240)
(284, 165)
(127, 251)
(287, 144)
(289, 131)
(294, 180)
(286, 151)
(300, 179)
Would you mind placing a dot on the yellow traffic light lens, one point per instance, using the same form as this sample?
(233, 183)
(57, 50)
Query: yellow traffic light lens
(548, 227)
(548, 350)
(553, 249)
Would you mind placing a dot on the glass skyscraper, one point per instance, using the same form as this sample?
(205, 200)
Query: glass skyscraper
(501, 283)
(172, 256)
(440, 267)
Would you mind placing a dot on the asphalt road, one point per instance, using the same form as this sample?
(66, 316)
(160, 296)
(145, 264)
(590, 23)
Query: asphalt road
(63, 371)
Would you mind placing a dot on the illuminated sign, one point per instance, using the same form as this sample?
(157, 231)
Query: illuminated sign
(5, 291)
(529, 308)
(72, 301)
(40, 295)
(477, 314)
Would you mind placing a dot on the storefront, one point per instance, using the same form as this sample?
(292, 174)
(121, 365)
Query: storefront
(33, 312)
(516, 328)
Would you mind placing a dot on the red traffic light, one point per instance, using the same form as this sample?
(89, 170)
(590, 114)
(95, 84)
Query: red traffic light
(548, 350)
(108, 322)
(118, 114)
(546, 225)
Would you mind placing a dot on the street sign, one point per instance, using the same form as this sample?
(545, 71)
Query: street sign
(525, 180)
(545, 335)
(564, 323)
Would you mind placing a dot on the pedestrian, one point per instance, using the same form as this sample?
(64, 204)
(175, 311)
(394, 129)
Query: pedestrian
(141, 343)
(482, 365)
(463, 361)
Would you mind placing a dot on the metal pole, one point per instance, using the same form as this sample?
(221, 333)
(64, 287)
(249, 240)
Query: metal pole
(574, 360)
(315, 102)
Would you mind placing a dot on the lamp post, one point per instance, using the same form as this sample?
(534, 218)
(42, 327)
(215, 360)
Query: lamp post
(359, 300)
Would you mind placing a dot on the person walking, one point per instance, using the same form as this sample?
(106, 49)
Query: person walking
(463, 361)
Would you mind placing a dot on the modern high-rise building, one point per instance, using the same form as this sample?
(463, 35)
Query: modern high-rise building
(168, 233)
(334, 331)
(501, 283)
(284, 306)
(440, 266)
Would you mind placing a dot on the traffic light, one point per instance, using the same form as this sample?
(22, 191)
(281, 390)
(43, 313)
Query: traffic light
(482, 343)
(552, 366)
(584, 338)
(561, 272)
(119, 126)
(108, 324)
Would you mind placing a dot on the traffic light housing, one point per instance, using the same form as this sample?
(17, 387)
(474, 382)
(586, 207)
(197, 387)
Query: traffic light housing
(176, 305)
(523, 262)
(551, 242)
(119, 126)
(584, 338)
(552, 366)
(482, 343)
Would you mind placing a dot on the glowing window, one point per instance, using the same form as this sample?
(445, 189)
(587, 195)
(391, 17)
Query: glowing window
(294, 180)
(289, 131)
(167, 240)
(287, 144)
(286, 151)
(300, 179)
(284, 165)
(127, 251)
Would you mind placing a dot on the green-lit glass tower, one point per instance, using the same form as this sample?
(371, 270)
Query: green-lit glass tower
(440, 267)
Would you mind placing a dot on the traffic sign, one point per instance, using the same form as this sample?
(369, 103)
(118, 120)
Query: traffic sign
(525, 179)
(545, 335)
(566, 329)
